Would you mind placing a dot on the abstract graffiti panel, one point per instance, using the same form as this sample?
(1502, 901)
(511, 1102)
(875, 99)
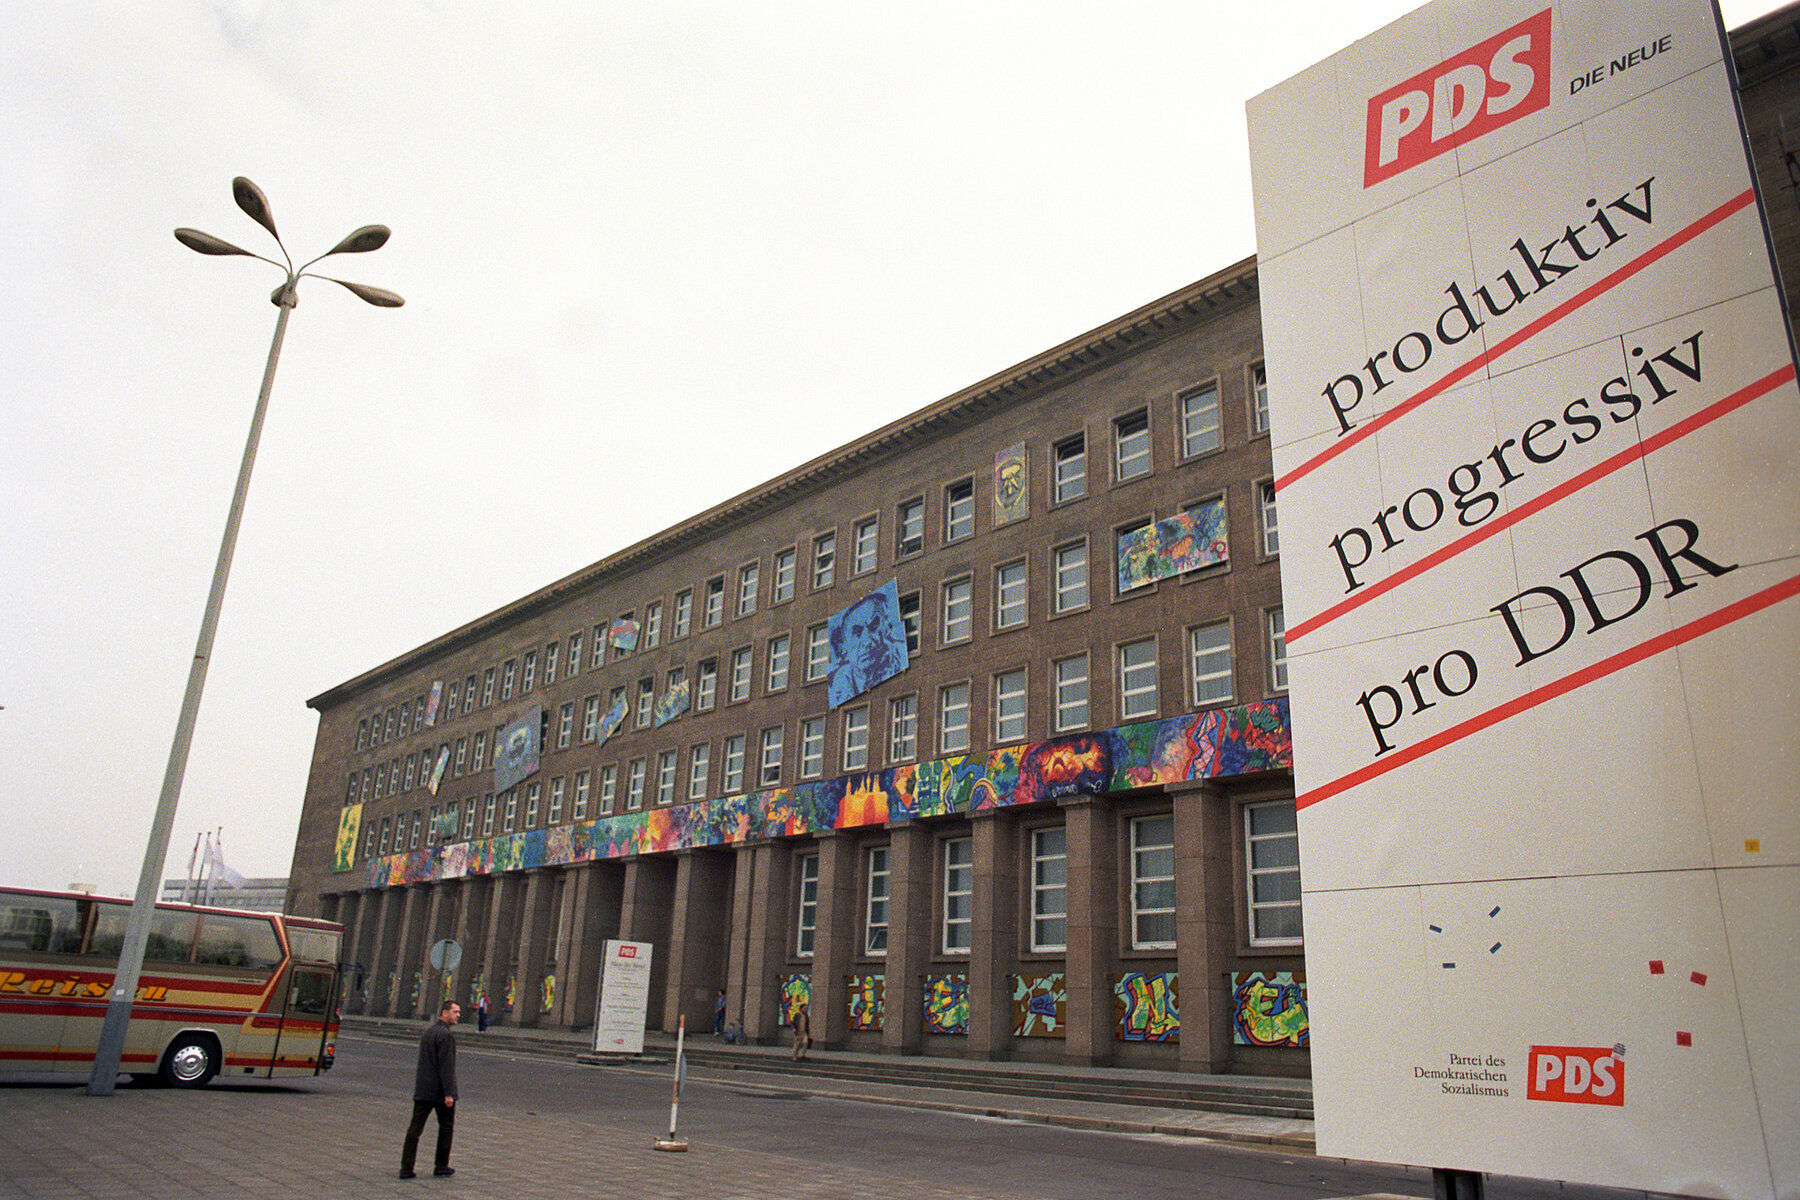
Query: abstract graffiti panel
(1269, 1009)
(343, 851)
(865, 1004)
(1147, 1007)
(1166, 548)
(516, 749)
(796, 994)
(1040, 1005)
(947, 1004)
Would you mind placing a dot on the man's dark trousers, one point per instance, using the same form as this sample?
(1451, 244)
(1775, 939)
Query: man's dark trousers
(446, 1130)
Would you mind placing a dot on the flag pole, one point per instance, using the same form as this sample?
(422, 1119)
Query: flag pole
(673, 1143)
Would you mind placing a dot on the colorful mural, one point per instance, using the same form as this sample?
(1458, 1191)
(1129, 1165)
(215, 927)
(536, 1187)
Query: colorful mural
(1040, 1005)
(865, 1004)
(796, 994)
(509, 995)
(1238, 740)
(1184, 542)
(1269, 1009)
(1012, 485)
(431, 705)
(673, 704)
(615, 717)
(624, 635)
(547, 993)
(418, 980)
(1147, 1007)
(516, 749)
(868, 644)
(947, 1004)
(437, 773)
(343, 851)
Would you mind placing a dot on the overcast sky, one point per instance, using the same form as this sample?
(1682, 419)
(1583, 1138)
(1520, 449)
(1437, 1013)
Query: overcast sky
(652, 254)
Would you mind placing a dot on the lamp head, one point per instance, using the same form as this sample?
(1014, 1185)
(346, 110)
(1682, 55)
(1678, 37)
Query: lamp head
(250, 198)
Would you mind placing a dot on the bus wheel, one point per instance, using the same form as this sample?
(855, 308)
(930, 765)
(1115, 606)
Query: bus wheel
(191, 1062)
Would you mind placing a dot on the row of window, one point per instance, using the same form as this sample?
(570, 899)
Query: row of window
(1271, 873)
(1210, 680)
(1069, 591)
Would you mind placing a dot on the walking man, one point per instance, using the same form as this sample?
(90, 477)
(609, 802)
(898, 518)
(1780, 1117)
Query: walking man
(434, 1090)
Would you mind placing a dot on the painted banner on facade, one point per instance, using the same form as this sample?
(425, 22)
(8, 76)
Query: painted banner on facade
(1535, 437)
(868, 644)
(1163, 549)
(620, 1014)
(516, 752)
(1012, 485)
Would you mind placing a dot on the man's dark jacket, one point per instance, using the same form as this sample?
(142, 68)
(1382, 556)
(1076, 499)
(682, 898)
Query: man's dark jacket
(437, 1065)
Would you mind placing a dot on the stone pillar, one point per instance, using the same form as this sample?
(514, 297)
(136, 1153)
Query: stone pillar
(1093, 937)
(385, 946)
(768, 939)
(697, 938)
(1205, 925)
(911, 865)
(994, 936)
(498, 929)
(644, 916)
(533, 949)
(598, 893)
(438, 903)
(470, 929)
(835, 935)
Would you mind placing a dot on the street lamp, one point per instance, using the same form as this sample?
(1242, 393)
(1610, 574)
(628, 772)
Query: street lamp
(249, 197)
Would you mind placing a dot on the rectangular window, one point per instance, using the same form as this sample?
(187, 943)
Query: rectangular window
(462, 756)
(706, 684)
(875, 911)
(909, 531)
(959, 610)
(556, 801)
(565, 725)
(487, 688)
(812, 747)
(1265, 508)
(634, 785)
(468, 695)
(1259, 399)
(740, 674)
(392, 716)
(1071, 692)
(807, 922)
(1276, 625)
(598, 656)
(856, 738)
(1209, 650)
(959, 511)
(1200, 427)
(590, 718)
(1137, 679)
(575, 653)
(412, 767)
(1009, 707)
(903, 729)
(818, 652)
(552, 655)
(468, 830)
(959, 894)
(478, 752)
(609, 788)
(909, 621)
(784, 577)
(512, 810)
(749, 583)
(405, 720)
(1049, 889)
(665, 777)
(769, 767)
(684, 613)
(530, 678)
(1071, 576)
(646, 702)
(699, 770)
(1153, 883)
(582, 787)
(1272, 858)
(776, 678)
(712, 608)
(487, 816)
(1010, 593)
(733, 780)
(508, 678)
(1131, 446)
(953, 718)
(418, 827)
(1069, 478)
(862, 546)
(651, 634)
(362, 728)
(824, 568)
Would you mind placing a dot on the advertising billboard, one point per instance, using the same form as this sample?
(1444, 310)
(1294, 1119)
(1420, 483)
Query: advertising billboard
(1535, 429)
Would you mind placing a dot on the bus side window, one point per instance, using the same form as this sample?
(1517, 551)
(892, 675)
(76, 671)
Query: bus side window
(234, 941)
(39, 924)
(311, 992)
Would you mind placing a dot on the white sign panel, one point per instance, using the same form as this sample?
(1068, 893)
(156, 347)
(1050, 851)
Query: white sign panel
(1536, 430)
(624, 998)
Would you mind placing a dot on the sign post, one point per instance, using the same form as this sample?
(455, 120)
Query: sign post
(624, 998)
(1537, 452)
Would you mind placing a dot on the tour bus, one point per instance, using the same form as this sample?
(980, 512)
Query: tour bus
(246, 995)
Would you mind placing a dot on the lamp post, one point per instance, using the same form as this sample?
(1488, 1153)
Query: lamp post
(137, 929)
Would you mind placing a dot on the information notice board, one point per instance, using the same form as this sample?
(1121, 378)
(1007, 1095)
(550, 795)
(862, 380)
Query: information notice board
(1535, 433)
(624, 1002)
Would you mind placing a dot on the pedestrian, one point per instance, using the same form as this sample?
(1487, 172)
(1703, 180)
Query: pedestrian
(719, 1014)
(481, 1012)
(434, 1090)
(802, 1032)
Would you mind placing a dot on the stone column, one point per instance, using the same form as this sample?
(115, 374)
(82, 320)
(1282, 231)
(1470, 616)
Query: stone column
(910, 936)
(598, 894)
(1093, 928)
(994, 936)
(768, 940)
(834, 935)
(644, 916)
(1205, 925)
(533, 944)
(697, 938)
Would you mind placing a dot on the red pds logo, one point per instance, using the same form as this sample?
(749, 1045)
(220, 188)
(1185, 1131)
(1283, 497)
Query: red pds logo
(1576, 1075)
(1478, 91)
(627, 951)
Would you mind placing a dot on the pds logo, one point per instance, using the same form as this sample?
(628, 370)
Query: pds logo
(1576, 1075)
(1476, 92)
